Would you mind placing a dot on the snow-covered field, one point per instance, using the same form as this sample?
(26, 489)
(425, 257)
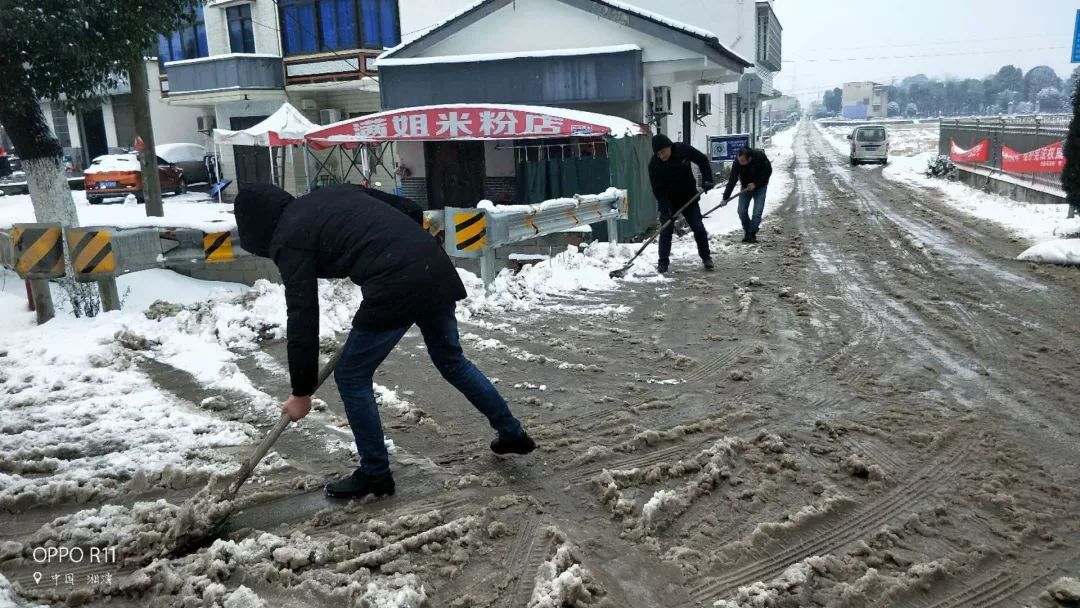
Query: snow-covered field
(911, 151)
(191, 210)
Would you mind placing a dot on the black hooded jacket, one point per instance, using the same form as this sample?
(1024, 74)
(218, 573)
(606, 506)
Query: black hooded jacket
(758, 172)
(673, 181)
(337, 232)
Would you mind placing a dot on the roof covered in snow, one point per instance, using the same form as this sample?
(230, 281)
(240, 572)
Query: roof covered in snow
(684, 34)
(595, 50)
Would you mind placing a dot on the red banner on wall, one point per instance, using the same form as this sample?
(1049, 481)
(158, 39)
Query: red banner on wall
(980, 153)
(1049, 159)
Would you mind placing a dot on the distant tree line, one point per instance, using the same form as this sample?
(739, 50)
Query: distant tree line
(1010, 90)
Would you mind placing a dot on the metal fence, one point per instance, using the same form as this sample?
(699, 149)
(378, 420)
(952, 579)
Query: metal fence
(1022, 133)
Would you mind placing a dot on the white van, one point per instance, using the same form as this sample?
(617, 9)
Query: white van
(869, 144)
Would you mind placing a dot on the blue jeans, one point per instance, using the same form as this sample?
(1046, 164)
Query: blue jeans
(749, 224)
(365, 350)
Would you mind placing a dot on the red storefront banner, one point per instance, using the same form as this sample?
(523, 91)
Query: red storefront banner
(980, 153)
(1049, 159)
(471, 122)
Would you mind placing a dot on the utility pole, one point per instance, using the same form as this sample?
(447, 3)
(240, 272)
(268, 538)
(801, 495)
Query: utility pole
(140, 97)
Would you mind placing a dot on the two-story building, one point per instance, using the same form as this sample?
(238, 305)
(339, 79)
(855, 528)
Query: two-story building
(239, 60)
(646, 62)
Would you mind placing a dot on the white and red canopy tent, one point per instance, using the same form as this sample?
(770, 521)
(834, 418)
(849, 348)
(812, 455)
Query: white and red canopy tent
(285, 127)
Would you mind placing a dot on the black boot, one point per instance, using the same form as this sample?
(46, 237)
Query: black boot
(708, 264)
(753, 237)
(360, 484)
(746, 237)
(513, 445)
(662, 267)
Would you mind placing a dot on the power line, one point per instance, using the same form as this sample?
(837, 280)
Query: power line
(964, 54)
(928, 44)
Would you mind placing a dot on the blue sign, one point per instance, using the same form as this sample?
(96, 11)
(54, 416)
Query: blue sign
(1076, 40)
(723, 148)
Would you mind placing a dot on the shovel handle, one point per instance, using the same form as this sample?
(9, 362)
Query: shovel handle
(279, 427)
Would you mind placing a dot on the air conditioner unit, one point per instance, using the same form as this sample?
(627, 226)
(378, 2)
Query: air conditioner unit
(661, 101)
(704, 105)
(307, 105)
(205, 124)
(329, 116)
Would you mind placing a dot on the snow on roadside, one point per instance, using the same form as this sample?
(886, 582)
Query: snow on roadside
(1061, 251)
(192, 210)
(1030, 221)
(79, 421)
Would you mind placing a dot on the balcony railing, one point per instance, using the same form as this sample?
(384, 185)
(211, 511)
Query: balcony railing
(223, 73)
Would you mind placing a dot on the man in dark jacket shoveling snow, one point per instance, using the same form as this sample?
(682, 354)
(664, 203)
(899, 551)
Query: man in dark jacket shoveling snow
(674, 185)
(406, 278)
(753, 169)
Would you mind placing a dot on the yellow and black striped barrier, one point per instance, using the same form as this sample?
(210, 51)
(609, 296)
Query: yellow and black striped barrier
(218, 247)
(91, 251)
(39, 250)
(470, 230)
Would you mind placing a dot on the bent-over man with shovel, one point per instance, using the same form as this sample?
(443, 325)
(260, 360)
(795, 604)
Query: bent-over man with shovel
(406, 278)
(675, 188)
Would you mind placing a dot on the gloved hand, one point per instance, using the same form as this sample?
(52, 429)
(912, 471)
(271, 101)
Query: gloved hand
(706, 186)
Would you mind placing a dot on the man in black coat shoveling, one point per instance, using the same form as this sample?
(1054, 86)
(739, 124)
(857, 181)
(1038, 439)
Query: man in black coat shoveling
(753, 169)
(406, 279)
(674, 186)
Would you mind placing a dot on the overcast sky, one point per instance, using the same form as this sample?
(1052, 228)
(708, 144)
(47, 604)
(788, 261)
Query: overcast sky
(882, 39)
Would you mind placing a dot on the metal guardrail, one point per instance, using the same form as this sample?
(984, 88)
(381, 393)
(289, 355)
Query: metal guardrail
(477, 233)
(100, 254)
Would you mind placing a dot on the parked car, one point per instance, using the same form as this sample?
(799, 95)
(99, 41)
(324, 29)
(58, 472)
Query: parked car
(869, 144)
(118, 175)
(191, 158)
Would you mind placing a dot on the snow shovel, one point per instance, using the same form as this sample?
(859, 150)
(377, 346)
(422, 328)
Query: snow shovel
(724, 204)
(189, 541)
(620, 273)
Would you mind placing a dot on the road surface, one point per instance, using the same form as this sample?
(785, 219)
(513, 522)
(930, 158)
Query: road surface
(875, 406)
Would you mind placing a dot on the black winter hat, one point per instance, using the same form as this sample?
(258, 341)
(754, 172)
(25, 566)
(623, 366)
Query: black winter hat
(659, 142)
(258, 208)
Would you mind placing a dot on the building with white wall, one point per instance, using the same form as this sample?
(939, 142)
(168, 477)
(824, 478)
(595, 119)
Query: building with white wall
(865, 100)
(241, 59)
(596, 55)
(111, 124)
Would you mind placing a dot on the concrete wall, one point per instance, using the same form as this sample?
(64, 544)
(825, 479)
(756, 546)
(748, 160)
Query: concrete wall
(1007, 186)
(244, 270)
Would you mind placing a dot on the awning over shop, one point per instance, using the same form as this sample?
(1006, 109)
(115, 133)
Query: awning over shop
(471, 122)
(285, 127)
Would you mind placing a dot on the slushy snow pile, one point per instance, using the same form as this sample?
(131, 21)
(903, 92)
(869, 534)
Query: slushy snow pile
(193, 210)
(78, 420)
(1063, 251)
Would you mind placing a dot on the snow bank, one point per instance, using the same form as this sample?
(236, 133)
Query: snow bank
(193, 210)
(80, 421)
(1031, 221)
(1063, 251)
(1068, 229)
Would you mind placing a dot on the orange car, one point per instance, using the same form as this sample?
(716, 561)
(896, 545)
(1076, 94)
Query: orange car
(118, 175)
